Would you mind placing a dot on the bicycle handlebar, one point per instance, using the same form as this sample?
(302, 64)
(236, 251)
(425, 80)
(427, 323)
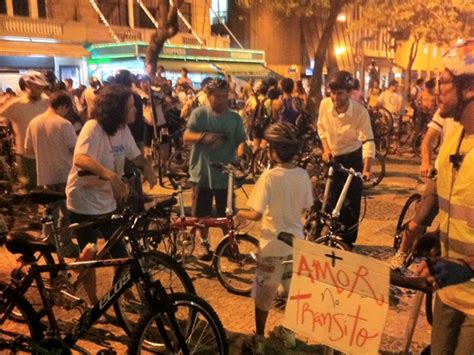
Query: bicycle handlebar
(349, 171)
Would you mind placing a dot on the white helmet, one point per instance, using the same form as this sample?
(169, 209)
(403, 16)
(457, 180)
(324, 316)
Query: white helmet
(459, 59)
(35, 77)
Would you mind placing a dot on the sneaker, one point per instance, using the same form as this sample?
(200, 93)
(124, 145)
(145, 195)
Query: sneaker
(255, 344)
(285, 335)
(70, 250)
(398, 260)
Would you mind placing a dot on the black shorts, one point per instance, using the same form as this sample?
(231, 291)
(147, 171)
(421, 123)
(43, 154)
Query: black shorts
(202, 201)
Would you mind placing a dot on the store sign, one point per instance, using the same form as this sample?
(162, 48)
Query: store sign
(138, 49)
(338, 298)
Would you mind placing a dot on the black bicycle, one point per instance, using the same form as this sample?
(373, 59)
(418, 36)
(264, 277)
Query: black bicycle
(173, 330)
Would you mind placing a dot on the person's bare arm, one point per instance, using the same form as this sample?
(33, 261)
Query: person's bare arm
(85, 162)
(192, 137)
(327, 155)
(427, 151)
(250, 214)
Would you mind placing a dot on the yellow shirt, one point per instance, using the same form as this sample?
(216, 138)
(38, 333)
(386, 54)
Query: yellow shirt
(456, 201)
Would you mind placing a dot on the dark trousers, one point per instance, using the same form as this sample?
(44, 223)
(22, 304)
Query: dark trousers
(351, 208)
(202, 201)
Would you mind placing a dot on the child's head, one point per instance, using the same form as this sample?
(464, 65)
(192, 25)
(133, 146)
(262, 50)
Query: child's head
(283, 140)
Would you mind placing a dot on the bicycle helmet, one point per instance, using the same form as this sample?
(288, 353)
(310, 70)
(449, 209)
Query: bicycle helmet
(342, 80)
(283, 137)
(216, 84)
(36, 78)
(459, 61)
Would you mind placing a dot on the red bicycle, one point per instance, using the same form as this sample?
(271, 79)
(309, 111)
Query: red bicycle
(235, 257)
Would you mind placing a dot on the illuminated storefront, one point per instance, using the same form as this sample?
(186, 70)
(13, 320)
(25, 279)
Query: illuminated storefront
(106, 59)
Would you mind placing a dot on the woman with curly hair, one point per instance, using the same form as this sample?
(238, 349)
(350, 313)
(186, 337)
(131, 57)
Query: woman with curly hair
(103, 145)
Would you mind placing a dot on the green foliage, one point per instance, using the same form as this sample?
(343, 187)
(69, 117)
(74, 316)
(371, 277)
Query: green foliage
(434, 21)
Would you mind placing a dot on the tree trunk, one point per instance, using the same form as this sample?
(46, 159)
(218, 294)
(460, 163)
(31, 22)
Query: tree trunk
(411, 60)
(315, 95)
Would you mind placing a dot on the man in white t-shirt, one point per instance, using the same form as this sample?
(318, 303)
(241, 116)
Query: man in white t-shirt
(391, 99)
(19, 113)
(278, 199)
(51, 139)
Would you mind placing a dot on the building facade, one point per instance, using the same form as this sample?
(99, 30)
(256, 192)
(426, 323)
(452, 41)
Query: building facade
(56, 34)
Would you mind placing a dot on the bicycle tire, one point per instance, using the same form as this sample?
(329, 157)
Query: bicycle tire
(245, 163)
(383, 121)
(383, 145)
(30, 326)
(406, 132)
(189, 324)
(338, 243)
(378, 172)
(402, 220)
(178, 165)
(136, 305)
(259, 163)
(417, 142)
(226, 256)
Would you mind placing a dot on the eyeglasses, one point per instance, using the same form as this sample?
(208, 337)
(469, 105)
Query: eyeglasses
(443, 82)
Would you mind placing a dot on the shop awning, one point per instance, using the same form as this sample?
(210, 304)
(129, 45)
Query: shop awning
(243, 70)
(13, 48)
(194, 67)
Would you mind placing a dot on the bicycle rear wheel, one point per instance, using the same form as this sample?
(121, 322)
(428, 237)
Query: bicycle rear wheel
(11, 329)
(172, 276)
(198, 323)
(235, 263)
(406, 215)
(378, 172)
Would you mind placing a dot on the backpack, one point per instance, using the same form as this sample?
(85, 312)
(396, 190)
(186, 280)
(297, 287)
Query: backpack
(260, 116)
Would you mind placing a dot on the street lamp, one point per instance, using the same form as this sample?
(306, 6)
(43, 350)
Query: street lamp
(339, 50)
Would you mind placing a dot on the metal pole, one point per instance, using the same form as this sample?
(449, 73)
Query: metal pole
(227, 28)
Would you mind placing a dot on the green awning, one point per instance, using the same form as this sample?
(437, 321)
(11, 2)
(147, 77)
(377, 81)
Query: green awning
(192, 66)
(243, 70)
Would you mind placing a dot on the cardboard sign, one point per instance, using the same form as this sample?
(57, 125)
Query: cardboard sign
(338, 298)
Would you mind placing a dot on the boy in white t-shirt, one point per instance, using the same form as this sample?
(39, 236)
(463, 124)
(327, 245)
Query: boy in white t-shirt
(278, 199)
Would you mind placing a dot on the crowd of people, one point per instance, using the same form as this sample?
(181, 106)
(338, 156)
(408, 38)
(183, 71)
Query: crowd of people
(80, 142)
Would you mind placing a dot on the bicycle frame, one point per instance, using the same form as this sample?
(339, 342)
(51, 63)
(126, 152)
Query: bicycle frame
(153, 291)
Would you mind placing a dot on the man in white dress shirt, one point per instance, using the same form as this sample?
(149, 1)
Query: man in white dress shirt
(347, 138)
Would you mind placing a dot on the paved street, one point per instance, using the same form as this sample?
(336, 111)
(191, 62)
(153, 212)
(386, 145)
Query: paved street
(375, 239)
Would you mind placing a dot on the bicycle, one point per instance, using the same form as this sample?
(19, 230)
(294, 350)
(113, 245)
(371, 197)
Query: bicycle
(377, 170)
(322, 227)
(172, 275)
(175, 333)
(234, 259)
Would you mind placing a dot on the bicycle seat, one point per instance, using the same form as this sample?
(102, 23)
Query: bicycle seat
(168, 201)
(26, 244)
(44, 197)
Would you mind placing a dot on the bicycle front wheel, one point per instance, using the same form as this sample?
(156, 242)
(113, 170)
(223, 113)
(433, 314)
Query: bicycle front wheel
(197, 321)
(335, 242)
(172, 276)
(406, 215)
(235, 263)
(21, 321)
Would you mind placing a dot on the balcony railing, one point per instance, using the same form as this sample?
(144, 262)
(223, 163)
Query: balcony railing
(28, 26)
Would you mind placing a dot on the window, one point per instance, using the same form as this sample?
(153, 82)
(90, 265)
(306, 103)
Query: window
(115, 11)
(42, 9)
(185, 9)
(219, 8)
(3, 7)
(20, 8)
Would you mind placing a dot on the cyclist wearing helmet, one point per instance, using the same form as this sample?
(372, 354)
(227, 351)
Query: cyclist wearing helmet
(20, 112)
(453, 321)
(215, 133)
(346, 134)
(278, 199)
